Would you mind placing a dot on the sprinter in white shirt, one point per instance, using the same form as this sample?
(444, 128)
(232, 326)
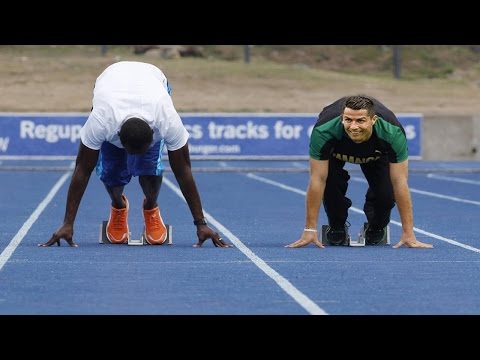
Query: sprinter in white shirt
(132, 119)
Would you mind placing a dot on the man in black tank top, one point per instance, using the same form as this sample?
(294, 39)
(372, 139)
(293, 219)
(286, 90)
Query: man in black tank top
(360, 130)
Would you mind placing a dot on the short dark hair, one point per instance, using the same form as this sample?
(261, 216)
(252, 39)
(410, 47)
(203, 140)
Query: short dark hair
(135, 133)
(360, 102)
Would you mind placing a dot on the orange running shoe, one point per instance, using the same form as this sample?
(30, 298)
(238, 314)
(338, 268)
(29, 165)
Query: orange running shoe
(155, 230)
(117, 227)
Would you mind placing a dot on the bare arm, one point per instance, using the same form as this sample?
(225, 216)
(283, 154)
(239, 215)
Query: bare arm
(182, 169)
(314, 197)
(85, 163)
(316, 187)
(399, 177)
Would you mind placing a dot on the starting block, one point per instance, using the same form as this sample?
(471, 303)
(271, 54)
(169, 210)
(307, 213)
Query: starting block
(359, 241)
(324, 240)
(102, 238)
(384, 241)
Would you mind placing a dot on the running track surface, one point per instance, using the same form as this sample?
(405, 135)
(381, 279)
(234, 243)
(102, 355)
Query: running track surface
(259, 208)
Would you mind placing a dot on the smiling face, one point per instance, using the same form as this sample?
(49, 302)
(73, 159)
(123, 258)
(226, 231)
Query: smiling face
(358, 124)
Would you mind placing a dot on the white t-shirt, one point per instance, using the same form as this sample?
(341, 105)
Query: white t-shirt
(132, 89)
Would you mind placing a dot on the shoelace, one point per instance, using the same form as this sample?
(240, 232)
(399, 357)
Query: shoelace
(154, 222)
(119, 218)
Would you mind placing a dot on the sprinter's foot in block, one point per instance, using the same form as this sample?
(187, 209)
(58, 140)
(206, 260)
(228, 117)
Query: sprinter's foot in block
(376, 236)
(117, 226)
(155, 230)
(335, 236)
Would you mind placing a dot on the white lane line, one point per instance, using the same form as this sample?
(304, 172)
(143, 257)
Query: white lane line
(440, 196)
(287, 286)
(455, 179)
(360, 211)
(299, 165)
(8, 251)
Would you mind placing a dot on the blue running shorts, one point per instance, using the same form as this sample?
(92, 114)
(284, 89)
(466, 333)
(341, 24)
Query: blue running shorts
(115, 167)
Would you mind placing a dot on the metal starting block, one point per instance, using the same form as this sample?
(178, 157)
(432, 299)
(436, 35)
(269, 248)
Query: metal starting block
(324, 240)
(102, 238)
(359, 241)
(384, 241)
